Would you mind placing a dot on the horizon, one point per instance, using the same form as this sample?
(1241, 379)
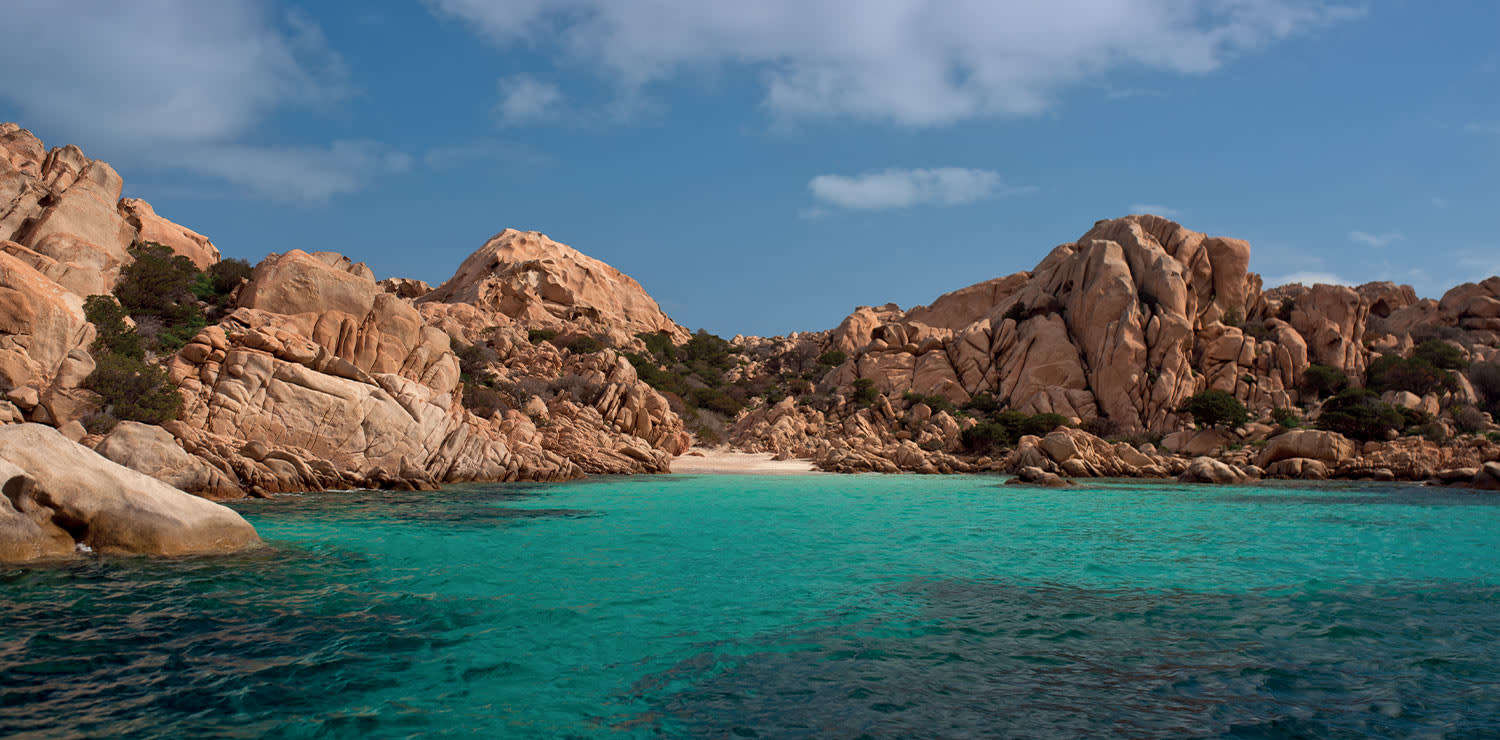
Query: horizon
(803, 151)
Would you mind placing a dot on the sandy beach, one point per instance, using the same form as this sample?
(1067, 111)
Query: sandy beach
(698, 461)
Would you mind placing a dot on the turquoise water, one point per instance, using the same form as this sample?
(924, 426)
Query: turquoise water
(811, 606)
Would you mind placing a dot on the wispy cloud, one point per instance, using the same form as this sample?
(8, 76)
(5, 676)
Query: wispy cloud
(1482, 128)
(185, 86)
(1308, 278)
(898, 188)
(1439, 202)
(1155, 210)
(1376, 240)
(482, 150)
(911, 62)
(524, 100)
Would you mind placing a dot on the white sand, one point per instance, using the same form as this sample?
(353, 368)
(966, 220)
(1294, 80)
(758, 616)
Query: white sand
(699, 461)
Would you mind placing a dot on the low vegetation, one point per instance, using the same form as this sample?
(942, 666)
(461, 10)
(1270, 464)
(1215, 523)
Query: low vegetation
(1359, 413)
(168, 300)
(1214, 408)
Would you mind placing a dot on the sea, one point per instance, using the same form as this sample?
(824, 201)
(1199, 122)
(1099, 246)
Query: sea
(805, 606)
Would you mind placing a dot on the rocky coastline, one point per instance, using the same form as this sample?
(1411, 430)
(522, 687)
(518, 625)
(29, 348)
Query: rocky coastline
(130, 348)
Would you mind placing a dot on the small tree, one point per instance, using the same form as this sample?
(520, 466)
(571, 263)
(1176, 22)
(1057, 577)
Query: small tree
(1441, 354)
(1321, 381)
(864, 392)
(832, 358)
(1360, 414)
(1213, 408)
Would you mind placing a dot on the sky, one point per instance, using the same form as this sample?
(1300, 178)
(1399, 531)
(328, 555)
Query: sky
(766, 167)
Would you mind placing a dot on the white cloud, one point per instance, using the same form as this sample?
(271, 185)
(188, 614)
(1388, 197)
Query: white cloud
(181, 85)
(525, 100)
(1376, 240)
(896, 188)
(1308, 278)
(299, 174)
(1155, 210)
(1482, 128)
(913, 62)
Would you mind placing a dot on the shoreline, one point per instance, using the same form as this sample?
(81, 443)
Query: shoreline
(701, 461)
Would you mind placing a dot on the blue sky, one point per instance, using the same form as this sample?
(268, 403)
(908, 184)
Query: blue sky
(766, 167)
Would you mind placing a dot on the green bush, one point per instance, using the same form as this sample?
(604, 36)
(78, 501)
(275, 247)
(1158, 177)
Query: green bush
(1287, 418)
(659, 345)
(1231, 318)
(482, 400)
(156, 281)
(864, 392)
(1321, 381)
(1358, 413)
(936, 403)
(1414, 374)
(1441, 354)
(1485, 378)
(832, 358)
(713, 399)
(133, 390)
(585, 345)
(113, 336)
(226, 275)
(983, 405)
(1006, 429)
(1213, 408)
(537, 336)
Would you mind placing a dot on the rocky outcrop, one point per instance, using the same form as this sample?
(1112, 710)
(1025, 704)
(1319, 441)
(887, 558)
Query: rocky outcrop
(1209, 470)
(1121, 326)
(61, 213)
(155, 452)
(543, 284)
(59, 495)
(150, 227)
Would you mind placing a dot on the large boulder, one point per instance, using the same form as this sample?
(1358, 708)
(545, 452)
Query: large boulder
(26, 530)
(107, 507)
(1209, 470)
(154, 451)
(1330, 448)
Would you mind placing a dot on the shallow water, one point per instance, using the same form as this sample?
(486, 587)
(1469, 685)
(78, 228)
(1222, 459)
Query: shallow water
(805, 606)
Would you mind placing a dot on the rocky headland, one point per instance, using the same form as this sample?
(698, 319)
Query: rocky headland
(1141, 349)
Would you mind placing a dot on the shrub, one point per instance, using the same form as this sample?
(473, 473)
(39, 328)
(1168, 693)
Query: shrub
(1214, 408)
(1485, 377)
(133, 390)
(832, 358)
(584, 345)
(983, 404)
(1468, 420)
(713, 399)
(864, 392)
(113, 336)
(156, 281)
(1414, 374)
(226, 275)
(1441, 354)
(1321, 381)
(659, 345)
(1006, 429)
(1259, 329)
(1358, 413)
(936, 403)
(1099, 427)
(537, 336)
(1288, 418)
(1231, 318)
